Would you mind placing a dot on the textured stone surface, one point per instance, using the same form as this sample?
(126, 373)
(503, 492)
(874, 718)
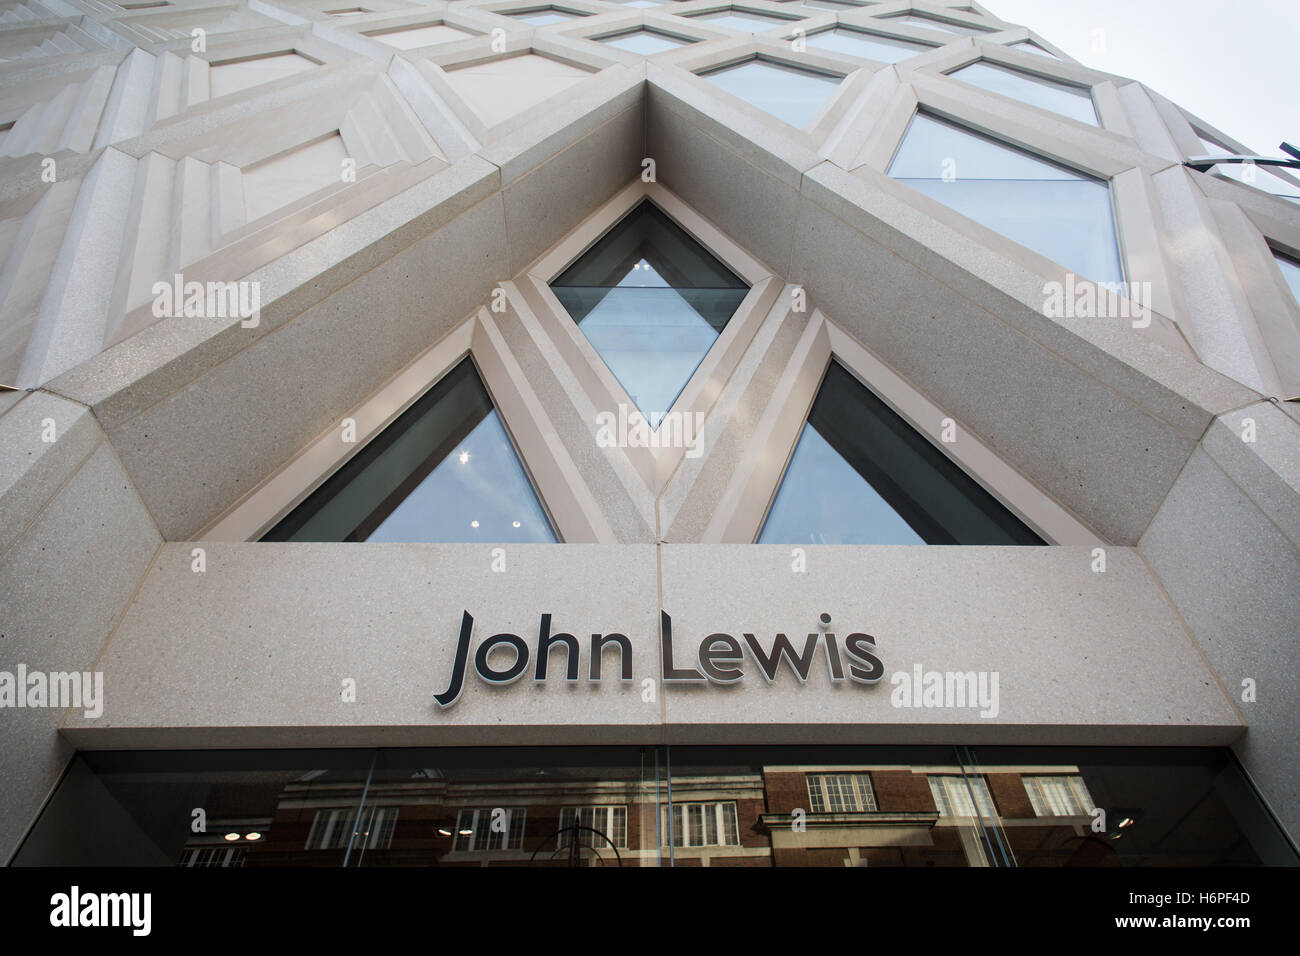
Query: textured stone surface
(196, 452)
(1236, 581)
(1082, 657)
(32, 468)
(62, 587)
(254, 651)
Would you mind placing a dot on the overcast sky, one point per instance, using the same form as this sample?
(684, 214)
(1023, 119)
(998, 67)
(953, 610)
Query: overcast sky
(1234, 64)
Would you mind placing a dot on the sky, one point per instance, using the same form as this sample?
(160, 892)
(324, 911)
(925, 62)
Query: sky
(1233, 64)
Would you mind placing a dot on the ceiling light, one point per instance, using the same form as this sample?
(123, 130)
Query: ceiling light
(232, 837)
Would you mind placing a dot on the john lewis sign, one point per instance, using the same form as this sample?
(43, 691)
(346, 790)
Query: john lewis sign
(720, 658)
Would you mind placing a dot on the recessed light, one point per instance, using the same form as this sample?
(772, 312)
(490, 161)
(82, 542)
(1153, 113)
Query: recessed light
(232, 837)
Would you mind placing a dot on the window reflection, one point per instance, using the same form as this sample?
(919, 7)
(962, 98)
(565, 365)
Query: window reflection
(1057, 212)
(790, 94)
(652, 301)
(861, 474)
(1072, 101)
(868, 46)
(445, 470)
(810, 806)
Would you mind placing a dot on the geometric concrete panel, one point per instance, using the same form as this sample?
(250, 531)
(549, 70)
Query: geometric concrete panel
(1236, 580)
(63, 585)
(1107, 663)
(504, 88)
(275, 637)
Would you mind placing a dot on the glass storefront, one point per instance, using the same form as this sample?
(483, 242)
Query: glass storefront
(658, 806)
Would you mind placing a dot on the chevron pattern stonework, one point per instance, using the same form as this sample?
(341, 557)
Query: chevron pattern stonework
(229, 228)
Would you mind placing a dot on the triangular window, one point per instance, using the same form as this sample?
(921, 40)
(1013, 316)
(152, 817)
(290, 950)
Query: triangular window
(861, 474)
(652, 301)
(445, 470)
(1057, 212)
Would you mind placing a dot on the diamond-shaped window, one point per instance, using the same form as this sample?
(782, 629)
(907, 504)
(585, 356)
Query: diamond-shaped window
(861, 474)
(652, 301)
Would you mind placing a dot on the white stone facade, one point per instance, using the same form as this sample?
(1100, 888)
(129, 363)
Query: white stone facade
(394, 189)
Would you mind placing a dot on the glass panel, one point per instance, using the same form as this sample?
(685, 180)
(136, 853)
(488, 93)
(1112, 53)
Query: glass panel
(1031, 47)
(1167, 807)
(941, 25)
(652, 301)
(645, 42)
(1057, 212)
(1258, 177)
(280, 808)
(1071, 101)
(542, 17)
(843, 5)
(756, 791)
(867, 46)
(747, 22)
(498, 806)
(788, 93)
(860, 474)
(1291, 273)
(445, 470)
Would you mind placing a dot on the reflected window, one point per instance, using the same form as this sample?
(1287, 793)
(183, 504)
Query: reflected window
(334, 829)
(651, 301)
(1071, 101)
(861, 474)
(445, 470)
(841, 793)
(476, 829)
(1057, 212)
(1058, 795)
(791, 94)
(867, 46)
(212, 856)
(702, 824)
(608, 823)
(644, 42)
(961, 796)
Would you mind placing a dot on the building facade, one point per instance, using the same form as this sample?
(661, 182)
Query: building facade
(704, 433)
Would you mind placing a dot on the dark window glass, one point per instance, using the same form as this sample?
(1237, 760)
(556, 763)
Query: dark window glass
(899, 806)
(652, 301)
(862, 475)
(445, 470)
